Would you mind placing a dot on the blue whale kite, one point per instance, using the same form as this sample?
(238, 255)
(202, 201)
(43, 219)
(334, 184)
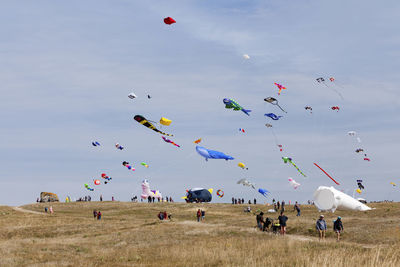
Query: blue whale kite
(212, 154)
(273, 116)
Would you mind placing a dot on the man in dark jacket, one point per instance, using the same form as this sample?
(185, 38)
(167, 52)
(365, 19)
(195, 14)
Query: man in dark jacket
(338, 227)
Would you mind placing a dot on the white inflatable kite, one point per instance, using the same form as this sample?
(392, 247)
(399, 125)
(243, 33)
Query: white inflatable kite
(146, 192)
(330, 199)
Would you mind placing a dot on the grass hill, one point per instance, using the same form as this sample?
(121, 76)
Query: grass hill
(130, 234)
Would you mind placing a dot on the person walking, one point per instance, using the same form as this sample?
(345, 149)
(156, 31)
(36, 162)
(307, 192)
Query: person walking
(99, 215)
(282, 221)
(338, 227)
(321, 227)
(95, 214)
(198, 215)
(203, 215)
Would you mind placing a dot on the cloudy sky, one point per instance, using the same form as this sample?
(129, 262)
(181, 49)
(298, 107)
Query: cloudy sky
(67, 67)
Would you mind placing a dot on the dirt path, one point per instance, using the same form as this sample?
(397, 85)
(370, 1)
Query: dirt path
(27, 211)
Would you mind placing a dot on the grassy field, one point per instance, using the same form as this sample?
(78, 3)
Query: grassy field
(130, 234)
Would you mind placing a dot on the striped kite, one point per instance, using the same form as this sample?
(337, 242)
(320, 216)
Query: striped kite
(142, 120)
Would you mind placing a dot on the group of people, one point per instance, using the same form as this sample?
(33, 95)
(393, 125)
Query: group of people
(164, 216)
(278, 225)
(97, 214)
(201, 215)
(151, 199)
(322, 227)
(241, 201)
(49, 210)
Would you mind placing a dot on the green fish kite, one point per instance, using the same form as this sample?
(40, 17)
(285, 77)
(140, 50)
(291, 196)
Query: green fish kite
(230, 103)
(287, 159)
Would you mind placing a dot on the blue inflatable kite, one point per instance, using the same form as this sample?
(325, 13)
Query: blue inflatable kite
(263, 192)
(273, 116)
(212, 154)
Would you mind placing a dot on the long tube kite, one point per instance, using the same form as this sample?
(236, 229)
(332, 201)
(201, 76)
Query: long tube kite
(287, 159)
(326, 173)
(142, 120)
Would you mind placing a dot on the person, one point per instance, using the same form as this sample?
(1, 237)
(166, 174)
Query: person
(282, 221)
(112, 198)
(101, 197)
(260, 220)
(99, 215)
(338, 227)
(242, 200)
(170, 199)
(321, 227)
(239, 201)
(165, 215)
(203, 215)
(153, 199)
(249, 202)
(149, 199)
(278, 205)
(248, 209)
(161, 216)
(283, 206)
(267, 223)
(255, 201)
(37, 200)
(275, 208)
(198, 215)
(297, 208)
(95, 214)
(45, 209)
(51, 209)
(233, 200)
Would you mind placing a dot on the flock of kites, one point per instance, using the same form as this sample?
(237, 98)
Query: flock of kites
(235, 106)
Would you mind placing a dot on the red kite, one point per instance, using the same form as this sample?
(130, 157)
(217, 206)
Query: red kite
(169, 20)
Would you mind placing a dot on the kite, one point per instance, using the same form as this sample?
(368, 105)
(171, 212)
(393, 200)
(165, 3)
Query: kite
(293, 183)
(118, 146)
(148, 96)
(197, 141)
(245, 182)
(367, 159)
(268, 125)
(280, 148)
(351, 133)
(358, 150)
(132, 95)
(335, 108)
(140, 119)
(104, 176)
(198, 195)
(358, 190)
(273, 116)
(230, 103)
(169, 141)
(359, 184)
(242, 130)
(97, 182)
(246, 56)
(169, 20)
(322, 80)
(273, 101)
(326, 173)
(280, 87)
(88, 187)
(165, 121)
(220, 193)
(333, 81)
(212, 154)
(308, 108)
(95, 143)
(286, 160)
(392, 183)
(263, 192)
(146, 192)
(144, 164)
(241, 165)
(126, 164)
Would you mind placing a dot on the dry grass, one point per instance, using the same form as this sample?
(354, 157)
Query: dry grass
(130, 235)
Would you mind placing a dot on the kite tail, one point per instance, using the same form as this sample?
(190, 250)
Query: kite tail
(246, 111)
(281, 108)
(297, 168)
(158, 131)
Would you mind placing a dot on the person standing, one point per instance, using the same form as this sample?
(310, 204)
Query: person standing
(112, 198)
(99, 215)
(278, 204)
(255, 201)
(297, 208)
(101, 197)
(282, 221)
(338, 227)
(260, 220)
(321, 227)
(233, 200)
(198, 215)
(51, 209)
(95, 214)
(283, 206)
(203, 215)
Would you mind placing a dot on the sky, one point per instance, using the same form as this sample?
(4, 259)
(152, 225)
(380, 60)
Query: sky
(67, 68)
